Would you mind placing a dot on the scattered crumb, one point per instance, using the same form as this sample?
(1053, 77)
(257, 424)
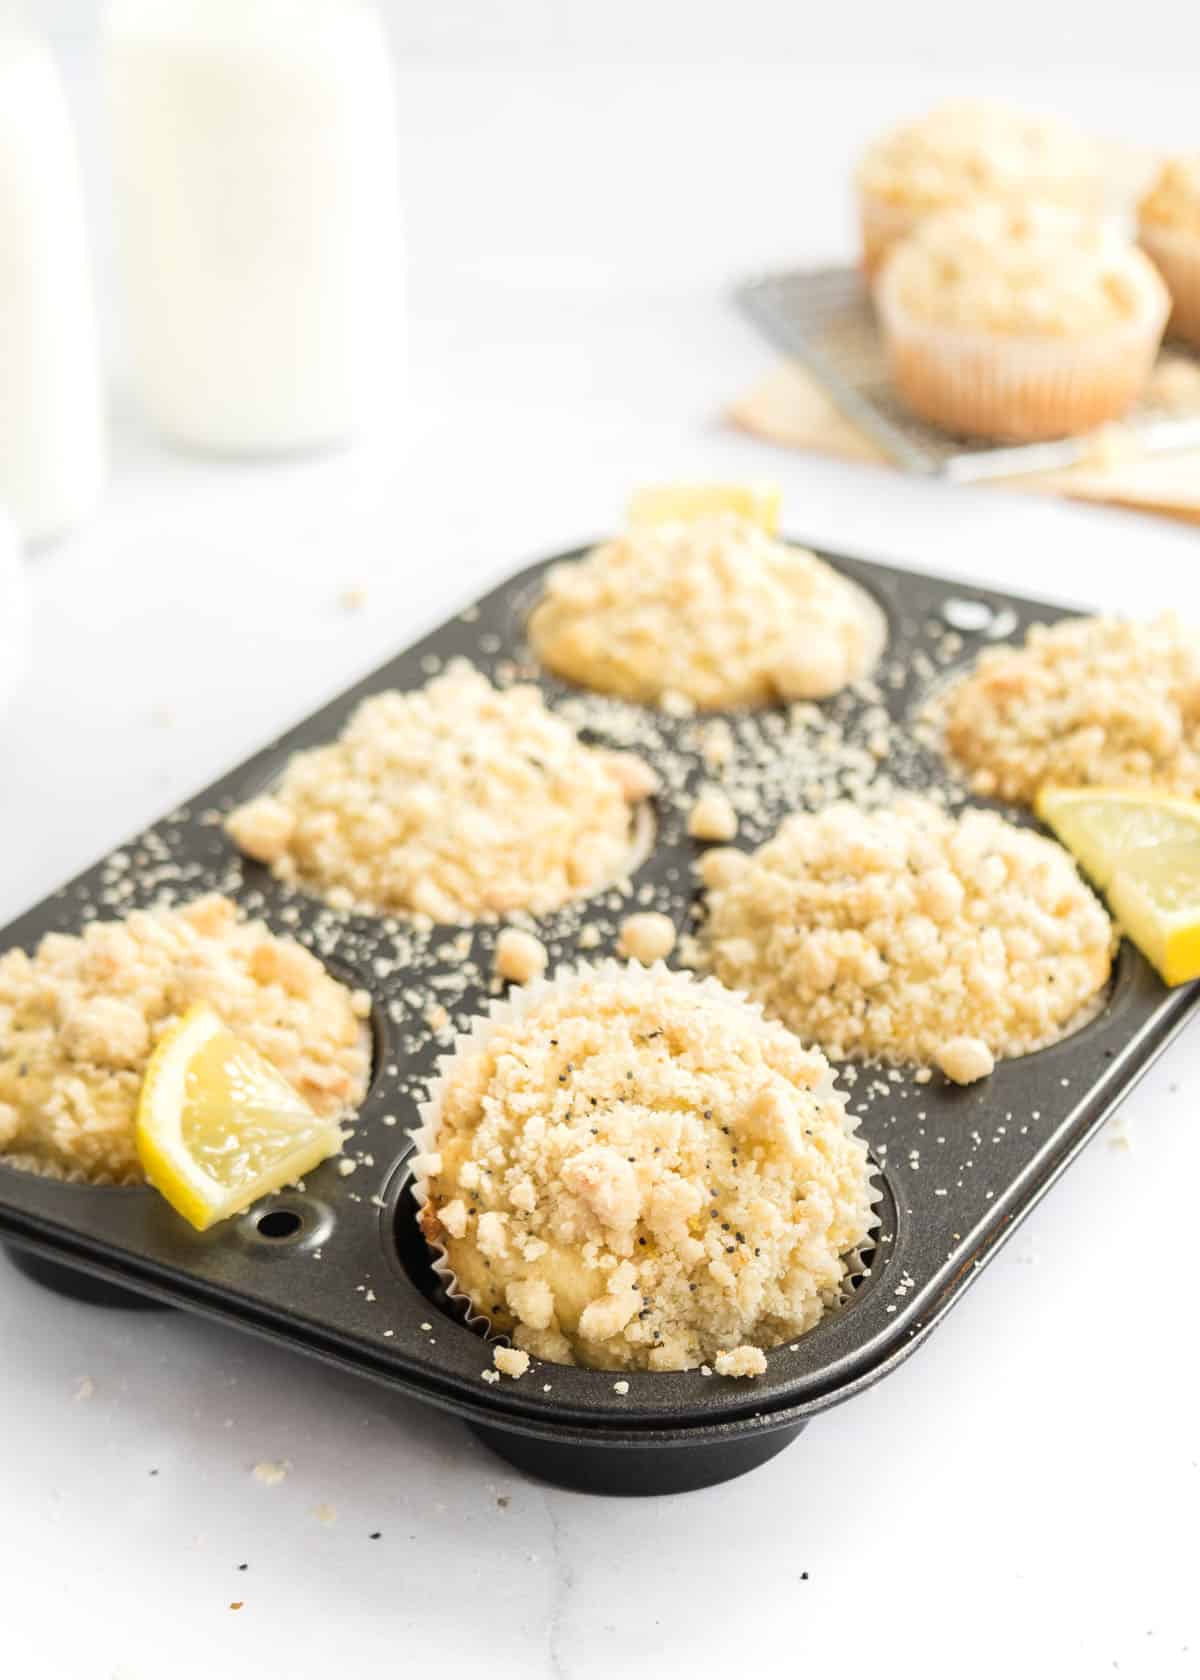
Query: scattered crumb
(964, 1060)
(511, 1362)
(490, 1376)
(84, 1389)
(520, 956)
(741, 1362)
(712, 817)
(326, 1514)
(647, 937)
(270, 1472)
(353, 599)
(621, 1387)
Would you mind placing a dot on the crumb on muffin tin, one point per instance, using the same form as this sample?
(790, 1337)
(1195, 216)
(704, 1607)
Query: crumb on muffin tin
(632, 1169)
(911, 936)
(80, 1017)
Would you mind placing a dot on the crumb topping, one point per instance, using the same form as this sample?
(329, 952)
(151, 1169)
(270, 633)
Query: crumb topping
(454, 801)
(1086, 701)
(510, 1362)
(80, 1018)
(712, 817)
(1031, 271)
(910, 935)
(520, 956)
(707, 613)
(741, 1362)
(648, 936)
(968, 149)
(637, 1171)
(1174, 197)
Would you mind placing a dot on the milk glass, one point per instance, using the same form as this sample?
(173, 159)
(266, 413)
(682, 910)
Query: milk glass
(257, 203)
(51, 426)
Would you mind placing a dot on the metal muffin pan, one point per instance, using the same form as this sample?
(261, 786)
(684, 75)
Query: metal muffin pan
(338, 1269)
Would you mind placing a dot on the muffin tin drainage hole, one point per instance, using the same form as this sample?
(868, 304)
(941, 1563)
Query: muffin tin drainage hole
(286, 1223)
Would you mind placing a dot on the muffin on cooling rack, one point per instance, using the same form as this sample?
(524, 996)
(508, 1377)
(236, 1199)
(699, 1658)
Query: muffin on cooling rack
(964, 151)
(81, 1016)
(710, 612)
(908, 935)
(629, 1168)
(1019, 325)
(1104, 702)
(456, 801)
(1169, 230)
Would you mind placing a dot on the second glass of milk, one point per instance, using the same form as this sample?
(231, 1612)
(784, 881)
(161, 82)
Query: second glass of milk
(255, 172)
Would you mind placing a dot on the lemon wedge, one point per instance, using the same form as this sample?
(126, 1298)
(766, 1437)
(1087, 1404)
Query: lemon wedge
(218, 1127)
(658, 503)
(1143, 849)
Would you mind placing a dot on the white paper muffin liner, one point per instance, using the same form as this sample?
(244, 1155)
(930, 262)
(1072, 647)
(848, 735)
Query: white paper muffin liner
(1013, 389)
(519, 1003)
(1176, 255)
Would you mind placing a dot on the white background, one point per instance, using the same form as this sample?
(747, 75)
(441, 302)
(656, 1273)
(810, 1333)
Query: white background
(584, 182)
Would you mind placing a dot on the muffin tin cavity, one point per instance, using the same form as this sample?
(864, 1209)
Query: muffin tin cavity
(338, 1268)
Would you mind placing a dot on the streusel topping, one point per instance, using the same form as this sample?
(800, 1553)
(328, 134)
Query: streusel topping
(1174, 198)
(1034, 272)
(637, 1171)
(455, 801)
(1087, 701)
(712, 610)
(968, 149)
(80, 1018)
(896, 933)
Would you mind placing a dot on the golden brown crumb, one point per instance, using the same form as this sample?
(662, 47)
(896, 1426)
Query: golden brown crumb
(709, 613)
(647, 937)
(1087, 701)
(741, 1362)
(79, 1020)
(510, 1362)
(520, 956)
(964, 1060)
(712, 817)
(454, 801)
(638, 1171)
(1173, 200)
(892, 933)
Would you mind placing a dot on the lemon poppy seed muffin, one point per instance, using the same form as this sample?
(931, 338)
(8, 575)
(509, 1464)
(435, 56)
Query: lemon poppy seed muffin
(455, 801)
(1169, 230)
(1019, 324)
(630, 1169)
(81, 1016)
(911, 936)
(1085, 702)
(964, 151)
(713, 610)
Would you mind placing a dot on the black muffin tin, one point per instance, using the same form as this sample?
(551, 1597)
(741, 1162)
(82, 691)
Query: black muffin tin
(337, 1269)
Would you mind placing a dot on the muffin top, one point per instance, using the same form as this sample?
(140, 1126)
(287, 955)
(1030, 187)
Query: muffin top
(910, 935)
(80, 1018)
(712, 611)
(968, 149)
(1085, 702)
(454, 801)
(630, 1168)
(1034, 272)
(1173, 201)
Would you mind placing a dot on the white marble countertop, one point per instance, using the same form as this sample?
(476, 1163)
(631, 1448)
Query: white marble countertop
(1027, 1483)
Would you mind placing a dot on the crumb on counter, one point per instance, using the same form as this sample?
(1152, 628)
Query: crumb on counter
(520, 956)
(270, 1472)
(647, 936)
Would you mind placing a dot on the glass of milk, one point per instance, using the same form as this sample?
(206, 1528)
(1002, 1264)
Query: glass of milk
(258, 215)
(51, 424)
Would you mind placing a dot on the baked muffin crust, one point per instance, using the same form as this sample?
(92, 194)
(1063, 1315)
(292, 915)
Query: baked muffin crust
(1087, 701)
(1173, 201)
(80, 1018)
(712, 610)
(454, 801)
(634, 1170)
(909, 935)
